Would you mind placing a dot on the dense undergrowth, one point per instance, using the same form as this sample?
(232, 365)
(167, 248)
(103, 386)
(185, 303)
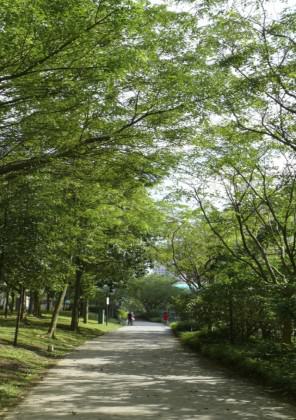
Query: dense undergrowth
(22, 366)
(270, 363)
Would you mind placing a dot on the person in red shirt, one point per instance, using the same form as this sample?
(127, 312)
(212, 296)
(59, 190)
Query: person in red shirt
(165, 317)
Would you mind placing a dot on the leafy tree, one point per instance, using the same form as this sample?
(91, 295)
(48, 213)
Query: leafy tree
(251, 56)
(154, 293)
(90, 82)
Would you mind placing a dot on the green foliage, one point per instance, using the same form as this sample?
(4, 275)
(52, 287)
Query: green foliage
(122, 314)
(189, 325)
(153, 293)
(81, 79)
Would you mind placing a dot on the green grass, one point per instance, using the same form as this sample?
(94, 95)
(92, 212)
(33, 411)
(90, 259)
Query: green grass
(22, 366)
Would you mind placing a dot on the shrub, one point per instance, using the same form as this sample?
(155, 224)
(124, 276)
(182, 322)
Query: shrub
(122, 314)
(189, 325)
(271, 363)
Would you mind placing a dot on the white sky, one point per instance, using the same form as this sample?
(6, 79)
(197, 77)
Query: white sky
(274, 7)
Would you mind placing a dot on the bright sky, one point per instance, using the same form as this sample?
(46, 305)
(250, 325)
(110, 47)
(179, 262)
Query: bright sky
(274, 7)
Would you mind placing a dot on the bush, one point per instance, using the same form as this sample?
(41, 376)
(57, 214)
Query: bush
(189, 325)
(122, 314)
(271, 363)
(155, 319)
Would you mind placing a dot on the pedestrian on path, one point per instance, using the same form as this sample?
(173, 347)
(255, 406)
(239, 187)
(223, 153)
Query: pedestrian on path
(165, 317)
(130, 318)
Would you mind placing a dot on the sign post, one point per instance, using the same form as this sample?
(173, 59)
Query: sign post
(107, 308)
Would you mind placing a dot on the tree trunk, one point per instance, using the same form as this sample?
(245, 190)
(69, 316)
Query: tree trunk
(20, 311)
(22, 303)
(231, 323)
(6, 304)
(76, 300)
(31, 304)
(37, 304)
(57, 309)
(48, 301)
(85, 311)
(287, 331)
(12, 303)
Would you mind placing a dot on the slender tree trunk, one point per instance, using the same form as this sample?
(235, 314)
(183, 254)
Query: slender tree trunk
(19, 315)
(48, 301)
(231, 323)
(37, 304)
(85, 311)
(76, 300)
(57, 309)
(287, 331)
(287, 320)
(12, 303)
(31, 304)
(6, 304)
(22, 303)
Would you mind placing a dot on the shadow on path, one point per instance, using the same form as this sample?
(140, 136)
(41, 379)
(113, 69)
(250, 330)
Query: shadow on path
(142, 372)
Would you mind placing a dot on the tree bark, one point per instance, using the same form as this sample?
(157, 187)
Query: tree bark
(76, 300)
(37, 304)
(31, 304)
(20, 311)
(6, 304)
(22, 303)
(287, 331)
(85, 311)
(231, 323)
(48, 301)
(57, 309)
(11, 306)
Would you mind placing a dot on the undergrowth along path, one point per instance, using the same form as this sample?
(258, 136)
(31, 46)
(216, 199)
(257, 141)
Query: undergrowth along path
(142, 372)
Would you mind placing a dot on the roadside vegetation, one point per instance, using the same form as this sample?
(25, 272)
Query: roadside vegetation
(150, 296)
(102, 101)
(266, 362)
(22, 366)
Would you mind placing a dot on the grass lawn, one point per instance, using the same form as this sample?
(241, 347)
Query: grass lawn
(22, 366)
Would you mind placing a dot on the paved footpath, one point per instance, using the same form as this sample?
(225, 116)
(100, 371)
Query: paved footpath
(142, 372)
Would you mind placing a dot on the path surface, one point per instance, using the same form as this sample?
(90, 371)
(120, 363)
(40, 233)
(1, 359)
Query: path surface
(141, 372)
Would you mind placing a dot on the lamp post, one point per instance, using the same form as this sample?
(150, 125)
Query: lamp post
(106, 290)
(107, 308)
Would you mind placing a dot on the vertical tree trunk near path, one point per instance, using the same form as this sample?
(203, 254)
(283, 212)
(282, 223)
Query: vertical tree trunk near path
(11, 306)
(48, 301)
(287, 319)
(231, 326)
(85, 311)
(37, 304)
(76, 300)
(56, 312)
(30, 309)
(22, 303)
(6, 304)
(19, 315)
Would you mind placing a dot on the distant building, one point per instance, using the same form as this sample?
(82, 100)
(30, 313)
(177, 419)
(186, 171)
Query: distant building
(161, 270)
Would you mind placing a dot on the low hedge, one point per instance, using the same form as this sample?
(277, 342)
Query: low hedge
(269, 363)
(188, 325)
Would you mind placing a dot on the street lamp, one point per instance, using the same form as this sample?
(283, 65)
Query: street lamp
(106, 290)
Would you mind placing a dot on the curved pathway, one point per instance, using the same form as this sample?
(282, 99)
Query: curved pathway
(142, 372)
